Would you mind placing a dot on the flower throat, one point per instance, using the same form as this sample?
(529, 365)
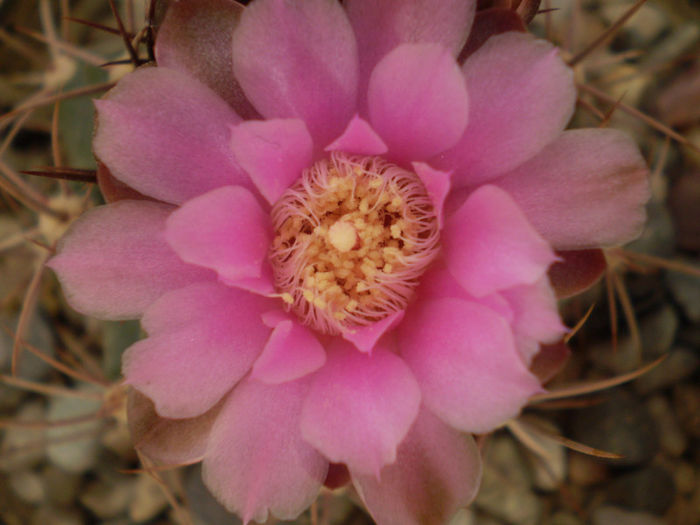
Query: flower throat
(352, 238)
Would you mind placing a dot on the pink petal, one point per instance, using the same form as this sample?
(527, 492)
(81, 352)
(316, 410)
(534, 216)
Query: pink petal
(550, 361)
(196, 38)
(522, 95)
(382, 26)
(576, 271)
(113, 261)
(437, 184)
(360, 408)
(166, 135)
(536, 316)
(291, 352)
(202, 340)
(489, 245)
(586, 189)
(225, 230)
(273, 152)
(167, 441)
(437, 471)
(359, 138)
(298, 60)
(256, 462)
(366, 338)
(464, 358)
(418, 101)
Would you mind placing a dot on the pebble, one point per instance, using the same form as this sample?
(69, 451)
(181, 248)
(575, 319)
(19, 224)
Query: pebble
(108, 498)
(61, 486)
(564, 518)
(149, 499)
(586, 470)
(621, 424)
(680, 364)
(686, 291)
(28, 486)
(53, 516)
(548, 465)
(686, 400)
(608, 515)
(672, 439)
(23, 448)
(649, 489)
(685, 478)
(505, 489)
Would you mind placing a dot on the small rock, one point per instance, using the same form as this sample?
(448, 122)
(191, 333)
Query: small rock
(61, 486)
(505, 488)
(586, 470)
(613, 516)
(148, 500)
(649, 489)
(686, 400)
(548, 463)
(23, 448)
(564, 518)
(27, 485)
(620, 425)
(685, 478)
(686, 290)
(680, 363)
(53, 516)
(671, 438)
(108, 498)
(76, 454)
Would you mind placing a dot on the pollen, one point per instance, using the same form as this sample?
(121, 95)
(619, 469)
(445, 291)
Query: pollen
(352, 238)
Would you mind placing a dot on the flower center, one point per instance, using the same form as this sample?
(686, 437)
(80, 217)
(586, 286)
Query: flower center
(352, 237)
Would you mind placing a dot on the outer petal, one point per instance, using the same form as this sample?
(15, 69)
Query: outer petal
(417, 101)
(586, 189)
(437, 471)
(576, 271)
(298, 59)
(185, 368)
(489, 245)
(291, 352)
(225, 230)
(256, 461)
(464, 357)
(166, 135)
(360, 407)
(437, 184)
(273, 153)
(522, 95)
(382, 26)
(167, 441)
(360, 138)
(366, 338)
(114, 260)
(196, 38)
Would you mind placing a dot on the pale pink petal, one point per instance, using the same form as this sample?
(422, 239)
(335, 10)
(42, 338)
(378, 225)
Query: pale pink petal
(576, 271)
(113, 262)
(366, 338)
(437, 184)
(360, 407)
(167, 441)
(273, 152)
(437, 471)
(166, 135)
(464, 358)
(522, 94)
(299, 60)
(418, 101)
(489, 245)
(257, 462)
(204, 338)
(359, 138)
(195, 37)
(291, 352)
(225, 230)
(382, 26)
(586, 189)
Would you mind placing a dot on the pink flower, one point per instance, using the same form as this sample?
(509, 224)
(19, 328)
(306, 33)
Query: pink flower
(341, 256)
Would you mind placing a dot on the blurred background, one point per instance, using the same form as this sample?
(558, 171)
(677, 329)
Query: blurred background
(616, 452)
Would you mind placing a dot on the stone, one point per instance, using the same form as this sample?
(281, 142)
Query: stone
(649, 489)
(108, 497)
(149, 499)
(61, 486)
(671, 438)
(686, 291)
(23, 448)
(680, 364)
(686, 401)
(585, 470)
(27, 485)
(565, 518)
(621, 425)
(506, 491)
(608, 515)
(55, 516)
(685, 478)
